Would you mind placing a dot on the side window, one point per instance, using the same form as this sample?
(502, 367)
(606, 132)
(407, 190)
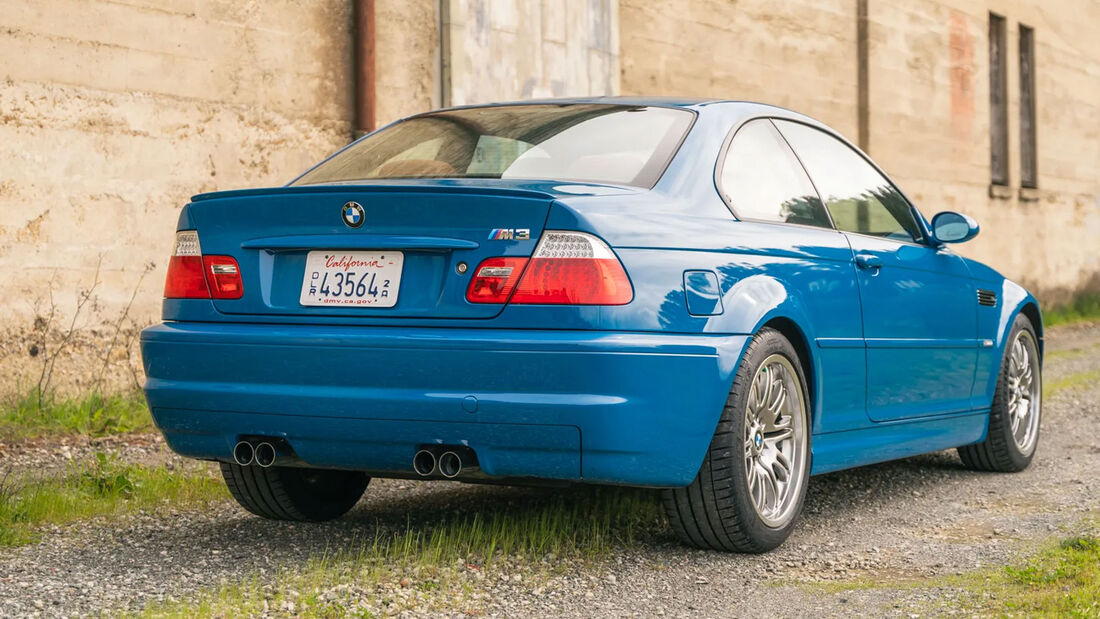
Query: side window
(858, 197)
(762, 179)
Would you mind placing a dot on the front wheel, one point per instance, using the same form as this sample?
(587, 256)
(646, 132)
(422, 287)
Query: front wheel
(292, 493)
(1013, 432)
(752, 483)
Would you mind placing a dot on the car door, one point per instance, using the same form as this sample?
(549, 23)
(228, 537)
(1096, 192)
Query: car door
(918, 302)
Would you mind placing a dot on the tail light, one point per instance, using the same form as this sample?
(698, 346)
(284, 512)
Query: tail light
(194, 276)
(567, 268)
(185, 270)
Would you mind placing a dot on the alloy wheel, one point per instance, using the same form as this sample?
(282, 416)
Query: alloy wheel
(775, 440)
(1024, 391)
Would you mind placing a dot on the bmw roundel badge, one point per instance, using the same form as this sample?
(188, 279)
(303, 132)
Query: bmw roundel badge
(353, 214)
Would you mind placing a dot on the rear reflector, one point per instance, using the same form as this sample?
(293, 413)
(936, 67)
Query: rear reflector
(494, 279)
(568, 268)
(224, 277)
(194, 276)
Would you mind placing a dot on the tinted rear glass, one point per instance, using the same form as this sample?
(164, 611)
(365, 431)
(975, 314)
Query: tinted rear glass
(619, 144)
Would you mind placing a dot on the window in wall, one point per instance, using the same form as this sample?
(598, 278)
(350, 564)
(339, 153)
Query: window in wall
(1029, 169)
(858, 197)
(998, 100)
(762, 179)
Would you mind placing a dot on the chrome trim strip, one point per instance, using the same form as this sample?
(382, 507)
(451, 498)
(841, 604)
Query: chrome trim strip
(921, 343)
(885, 342)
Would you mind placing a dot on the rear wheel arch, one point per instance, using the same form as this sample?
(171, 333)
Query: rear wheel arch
(801, 344)
(721, 509)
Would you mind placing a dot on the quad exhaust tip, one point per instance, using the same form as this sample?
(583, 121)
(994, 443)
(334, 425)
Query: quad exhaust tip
(265, 454)
(424, 463)
(243, 453)
(450, 464)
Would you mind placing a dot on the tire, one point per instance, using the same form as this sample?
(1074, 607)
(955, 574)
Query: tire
(1011, 441)
(719, 510)
(292, 493)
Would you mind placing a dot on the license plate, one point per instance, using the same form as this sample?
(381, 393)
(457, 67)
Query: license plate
(358, 278)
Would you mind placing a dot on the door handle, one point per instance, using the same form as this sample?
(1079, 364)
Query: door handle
(868, 261)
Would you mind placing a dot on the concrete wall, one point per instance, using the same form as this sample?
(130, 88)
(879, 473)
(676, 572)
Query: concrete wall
(502, 50)
(407, 58)
(928, 95)
(798, 54)
(930, 126)
(111, 116)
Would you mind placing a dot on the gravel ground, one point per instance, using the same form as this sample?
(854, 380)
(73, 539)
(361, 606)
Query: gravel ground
(915, 518)
(42, 457)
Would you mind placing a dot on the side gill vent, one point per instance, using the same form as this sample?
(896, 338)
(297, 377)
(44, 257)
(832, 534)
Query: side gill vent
(987, 297)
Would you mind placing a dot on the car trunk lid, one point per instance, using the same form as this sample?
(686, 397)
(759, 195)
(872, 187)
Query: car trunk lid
(424, 230)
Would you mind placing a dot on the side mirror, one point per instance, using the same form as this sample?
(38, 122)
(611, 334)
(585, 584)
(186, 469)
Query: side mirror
(951, 227)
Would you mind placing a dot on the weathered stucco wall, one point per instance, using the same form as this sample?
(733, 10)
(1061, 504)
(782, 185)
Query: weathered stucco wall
(798, 54)
(928, 97)
(407, 58)
(502, 50)
(111, 116)
(930, 127)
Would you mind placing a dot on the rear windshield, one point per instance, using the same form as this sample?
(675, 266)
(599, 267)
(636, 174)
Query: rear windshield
(619, 144)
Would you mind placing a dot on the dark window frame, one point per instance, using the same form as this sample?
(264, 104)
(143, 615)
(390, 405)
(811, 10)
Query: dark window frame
(1029, 156)
(998, 100)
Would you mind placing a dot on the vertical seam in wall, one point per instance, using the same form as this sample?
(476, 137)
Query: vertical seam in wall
(444, 56)
(863, 97)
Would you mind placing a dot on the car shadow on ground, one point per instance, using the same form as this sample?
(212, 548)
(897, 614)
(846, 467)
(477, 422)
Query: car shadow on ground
(393, 508)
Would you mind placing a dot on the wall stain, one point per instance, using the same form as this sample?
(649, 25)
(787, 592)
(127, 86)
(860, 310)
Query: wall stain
(961, 59)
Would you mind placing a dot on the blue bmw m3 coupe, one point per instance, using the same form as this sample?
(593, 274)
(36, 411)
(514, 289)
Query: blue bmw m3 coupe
(715, 298)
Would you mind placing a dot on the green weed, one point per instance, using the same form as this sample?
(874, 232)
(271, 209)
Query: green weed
(1084, 308)
(104, 486)
(1080, 379)
(1063, 581)
(92, 415)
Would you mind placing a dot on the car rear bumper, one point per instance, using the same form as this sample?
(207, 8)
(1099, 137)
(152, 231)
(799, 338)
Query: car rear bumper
(603, 407)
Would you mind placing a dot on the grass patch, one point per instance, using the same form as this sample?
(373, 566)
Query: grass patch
(437, 566)
(1062, 581)
(94, 414)
(1079, 379)
(1084, 308)
(104, 486)
(1066, 354)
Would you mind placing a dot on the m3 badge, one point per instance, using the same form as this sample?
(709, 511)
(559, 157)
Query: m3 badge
(510, 234)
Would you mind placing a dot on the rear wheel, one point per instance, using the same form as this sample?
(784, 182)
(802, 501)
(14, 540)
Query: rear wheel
(1013, 433)
(751, 485)
(293, 493)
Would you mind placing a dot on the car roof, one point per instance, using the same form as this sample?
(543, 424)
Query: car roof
(658, 101)
(698, 104)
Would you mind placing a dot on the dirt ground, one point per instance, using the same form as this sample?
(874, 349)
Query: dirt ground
(895, 522)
